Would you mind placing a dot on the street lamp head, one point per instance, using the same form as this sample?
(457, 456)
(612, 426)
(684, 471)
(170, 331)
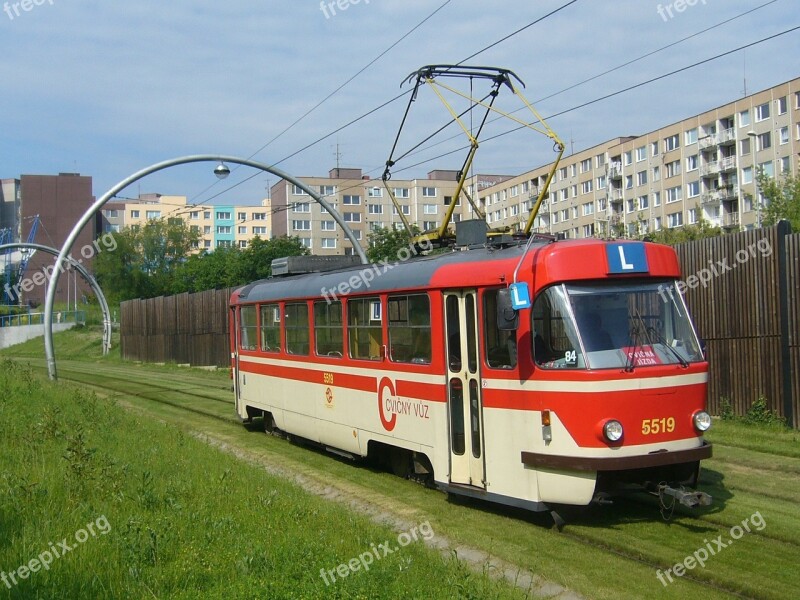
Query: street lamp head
(222, 170)
(752, 133)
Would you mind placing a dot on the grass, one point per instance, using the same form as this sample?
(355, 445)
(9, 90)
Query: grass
(606, 552)
(182, 519)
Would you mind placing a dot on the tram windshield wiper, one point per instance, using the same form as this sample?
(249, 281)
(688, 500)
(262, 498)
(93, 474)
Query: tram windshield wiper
(662, 340)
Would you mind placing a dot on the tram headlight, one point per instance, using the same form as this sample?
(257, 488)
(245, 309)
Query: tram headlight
(612, 430)
(701, 420)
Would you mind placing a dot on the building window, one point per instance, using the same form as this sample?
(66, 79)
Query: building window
(328, 243)
(430, 209)
(782, 105)
(242, 230)
(207, 214)
(586, 187)
(223, 216)
(672, 143)
(270, 328)
(301, 207)
(601, 182)
(784, 135)
(207, 230)
(744, 118)
(767, 168)
(352, 217)
(206, 243)
(627, 158)
(641, 153)
(375, 209)
(223, 243)
(747, 175)
(693, 189)
(111, 214)
(630, 205)
(586, 165)
(675, 220)
(562, 173)
(744, 147)
(327, 190)
(673, 168)
(762, 112)
(764, 141)
(152, 214)
(364, 328)
(628, 182)
(375, 192)
(588, 209)
(298, 191)
(401, 193)
(428, 192)
(260, 216)
(134, 214)
(641, 178)
(305, 242)
(657, 224)
(242, 244)
(327, 225)
(194, 215)
(674, 194)
(410, 329)
(691, 216)
(643, 202)
(351, 200)
(241, 216)
(690, 137)
(224, 229)
(259, 231)
(656, 174)
(296, 325)
(600, 160)
(691, 163)
(654, 148)
(301, 225)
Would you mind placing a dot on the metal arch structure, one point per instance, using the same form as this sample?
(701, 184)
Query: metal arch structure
(84, 273)
(92, 211)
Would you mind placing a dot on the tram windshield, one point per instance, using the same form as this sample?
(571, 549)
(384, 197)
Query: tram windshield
(602, 326)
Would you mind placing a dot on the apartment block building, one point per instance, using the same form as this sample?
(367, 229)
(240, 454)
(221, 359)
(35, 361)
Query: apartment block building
(365, 205)
(704, 165)
(56, 203)
(217, 225)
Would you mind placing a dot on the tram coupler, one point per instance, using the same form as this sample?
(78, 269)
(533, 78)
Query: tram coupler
(689, 498)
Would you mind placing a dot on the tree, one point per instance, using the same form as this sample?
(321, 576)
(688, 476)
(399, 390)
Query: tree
(258, 256)
(782, 199)
(686, 233)
(145, 259)
(386, 244)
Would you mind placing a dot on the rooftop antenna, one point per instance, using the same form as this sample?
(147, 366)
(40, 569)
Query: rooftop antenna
(744, 70)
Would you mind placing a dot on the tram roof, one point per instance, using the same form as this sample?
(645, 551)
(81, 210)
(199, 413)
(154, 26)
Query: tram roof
(562, 260)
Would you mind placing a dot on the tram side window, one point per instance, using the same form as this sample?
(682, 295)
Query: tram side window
(248, 336)
(410, 329)
(328, 333)
(271, 328)
(364, 328)
(501, 346)
(297, 329)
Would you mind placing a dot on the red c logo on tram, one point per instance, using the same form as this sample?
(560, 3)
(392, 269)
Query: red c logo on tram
(386, 383)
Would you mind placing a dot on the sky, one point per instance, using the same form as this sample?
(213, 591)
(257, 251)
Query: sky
(108, 88)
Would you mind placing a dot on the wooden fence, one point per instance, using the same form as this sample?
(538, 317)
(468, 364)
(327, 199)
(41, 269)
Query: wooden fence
(742, 291)
(184, 329)
(743, 300)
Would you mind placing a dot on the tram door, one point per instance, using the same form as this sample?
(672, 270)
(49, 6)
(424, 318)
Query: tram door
(237, 328)
(465, 407)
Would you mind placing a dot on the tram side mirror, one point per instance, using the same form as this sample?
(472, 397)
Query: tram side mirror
(507, 317)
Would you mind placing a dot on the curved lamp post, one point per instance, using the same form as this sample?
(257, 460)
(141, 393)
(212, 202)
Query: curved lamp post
(221, 171)
(85, 274)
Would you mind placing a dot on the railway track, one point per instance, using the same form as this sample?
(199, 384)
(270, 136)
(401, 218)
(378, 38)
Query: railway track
(211, 400)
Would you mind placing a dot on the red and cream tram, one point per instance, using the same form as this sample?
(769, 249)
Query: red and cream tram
(597, 384)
